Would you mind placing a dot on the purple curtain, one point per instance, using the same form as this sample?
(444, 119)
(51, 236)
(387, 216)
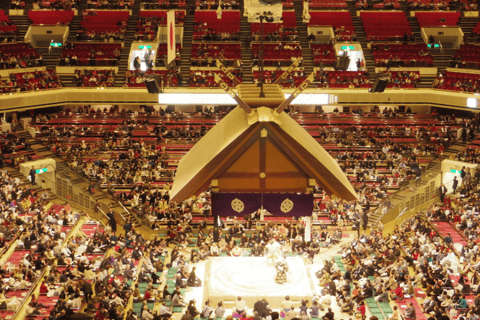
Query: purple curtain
(235, 204)
(278, 204)
(288, 204)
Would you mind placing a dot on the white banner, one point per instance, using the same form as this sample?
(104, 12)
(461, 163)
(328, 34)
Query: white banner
(171, 36)
(308, 228)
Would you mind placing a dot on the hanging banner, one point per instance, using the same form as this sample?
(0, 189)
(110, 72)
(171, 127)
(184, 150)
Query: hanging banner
(288, 204)
(235, 204)
(171, 36)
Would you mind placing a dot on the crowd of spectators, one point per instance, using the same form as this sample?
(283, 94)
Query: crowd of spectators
(110, 4)
(94, 78)
(31, 81)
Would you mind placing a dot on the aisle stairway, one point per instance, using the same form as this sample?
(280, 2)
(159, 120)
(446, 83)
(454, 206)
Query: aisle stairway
(362, 38)
(129, 37)
(468, 24)
(186, 56)
(245, 36)
(405, 192)
(303, 34)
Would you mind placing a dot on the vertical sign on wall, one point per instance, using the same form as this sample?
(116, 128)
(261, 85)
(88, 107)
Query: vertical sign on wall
(171, 35)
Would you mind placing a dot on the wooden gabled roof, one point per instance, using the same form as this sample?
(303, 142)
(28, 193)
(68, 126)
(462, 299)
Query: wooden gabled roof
(225, 143)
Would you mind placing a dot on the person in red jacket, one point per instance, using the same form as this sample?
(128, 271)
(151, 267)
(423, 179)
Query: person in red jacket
(361, 309)
(398, 293)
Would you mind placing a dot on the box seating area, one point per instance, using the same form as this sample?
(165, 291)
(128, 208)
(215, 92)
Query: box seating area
(94, 78)
(50, 17)
(286, 28)
(457, 81)
(330, 4)
(294, 79)
(16, 262)
(202, 51)
(168, 78)
(468, 56)
(21, 54)
(427, 19)
(323, 53)
(343, 79)
(341, 21)
(375, 22)
(319, 127)
(273, 54)
(287, 4)
(408, 54)
(31, 81)
(206, 23)
(206, 78)
(104, 53)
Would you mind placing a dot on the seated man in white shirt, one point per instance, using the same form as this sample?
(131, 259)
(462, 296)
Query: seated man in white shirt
(240, 306)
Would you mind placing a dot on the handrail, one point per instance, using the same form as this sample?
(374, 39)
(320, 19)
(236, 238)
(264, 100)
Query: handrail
(124, 208)
(103, 213)
(30, 292)
(12, 242)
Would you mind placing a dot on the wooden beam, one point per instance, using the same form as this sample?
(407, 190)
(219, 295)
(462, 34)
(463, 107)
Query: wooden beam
(284, 75)
(228, 73)
(295, 93)
(229, 90)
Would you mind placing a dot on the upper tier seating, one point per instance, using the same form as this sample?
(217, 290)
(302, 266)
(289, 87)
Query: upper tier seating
(341, 21)
(19, 55)
(163, 4)
(468, 56)
(457, 81)
(110, 4)
(50, 17)
(386, 4)
(294, 79)
(287, 3)
(103, 53)
(340, 4)
(403, 79)
(427, 19)
(206, 78)
(105, 22)
(283, 31)
(31, 81)
(8, 30)
(163, 52)
(415, 5)
(149, 20)
(208, 27)
(168, 78)
(275, 53)
(402, 54)
(213, 5)
(323, 53)
(343, 79)
(94, 78)
(207, 54)
(54, 4)
(375, 25)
